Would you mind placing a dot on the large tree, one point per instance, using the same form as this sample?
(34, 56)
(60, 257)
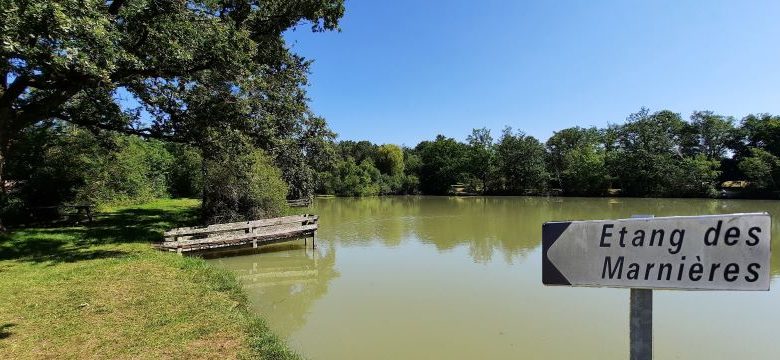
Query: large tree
(189, 66)
(520, 163)
(444, 162)
(482, 157)
(647, 156)
(576, 160)
(711, 134)
(759, 131)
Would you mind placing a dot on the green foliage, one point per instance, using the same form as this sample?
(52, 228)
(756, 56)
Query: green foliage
(193, 66)
(576, 158)
(645, 153)
(301, 148)
(382, 170)
(520, 164)
(412, 161)
(13, 208)
(711, 134)
(390, 160)
(66, 58)
(651, 154)
(584, 172)
(185, 179)
(762, 169)
(410, 185)
(240, 183)
(58, 163)
(659, 154)
(760, 131)
(695, 176)
(481, 159)
(359, 151)
(352, 179)
(443, 164)
(134, 171)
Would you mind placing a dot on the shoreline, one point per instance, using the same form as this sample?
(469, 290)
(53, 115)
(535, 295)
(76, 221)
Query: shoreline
(100, 290)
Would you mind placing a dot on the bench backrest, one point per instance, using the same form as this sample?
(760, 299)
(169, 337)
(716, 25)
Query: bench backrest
(286, 221)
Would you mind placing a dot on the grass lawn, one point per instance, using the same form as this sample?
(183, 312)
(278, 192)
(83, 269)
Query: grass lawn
(100, 291)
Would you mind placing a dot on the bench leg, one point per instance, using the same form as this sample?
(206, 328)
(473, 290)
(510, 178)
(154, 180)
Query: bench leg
(254, 243)
(178, 251)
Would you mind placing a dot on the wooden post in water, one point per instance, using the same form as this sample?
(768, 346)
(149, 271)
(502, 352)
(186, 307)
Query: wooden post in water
(641, 320)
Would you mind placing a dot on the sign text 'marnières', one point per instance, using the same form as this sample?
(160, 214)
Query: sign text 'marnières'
(710, 252)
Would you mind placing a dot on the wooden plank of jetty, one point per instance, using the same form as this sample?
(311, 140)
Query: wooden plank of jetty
(254, 233)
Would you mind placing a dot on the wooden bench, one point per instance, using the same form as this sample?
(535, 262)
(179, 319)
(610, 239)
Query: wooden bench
(305, 202)
(56, 212)
(256, 232)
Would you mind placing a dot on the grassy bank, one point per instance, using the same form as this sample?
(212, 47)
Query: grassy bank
(101, 291)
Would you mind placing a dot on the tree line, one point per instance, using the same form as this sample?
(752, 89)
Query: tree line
(652, 154)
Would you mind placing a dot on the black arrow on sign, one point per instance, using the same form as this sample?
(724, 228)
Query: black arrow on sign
(551, 231)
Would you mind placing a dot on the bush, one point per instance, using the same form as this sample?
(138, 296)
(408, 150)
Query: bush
(132, 170)
(351, 179)
(185, 179)
(53, 164)
(242, 186)
(12, 209)
(762, 169)
(695, 176)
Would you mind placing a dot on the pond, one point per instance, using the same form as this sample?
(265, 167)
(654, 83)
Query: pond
(460, 278)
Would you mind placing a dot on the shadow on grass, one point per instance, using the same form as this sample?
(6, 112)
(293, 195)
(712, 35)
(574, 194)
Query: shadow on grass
(4, 333)
(75, 243)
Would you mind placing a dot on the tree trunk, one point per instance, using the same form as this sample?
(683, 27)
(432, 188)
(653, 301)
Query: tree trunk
(6, 128)
(3, 190)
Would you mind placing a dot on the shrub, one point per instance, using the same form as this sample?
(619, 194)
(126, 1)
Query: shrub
(186, 172)
(242, 186)
(131, 170)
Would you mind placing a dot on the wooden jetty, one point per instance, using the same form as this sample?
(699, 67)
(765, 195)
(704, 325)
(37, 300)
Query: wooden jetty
(249, 234)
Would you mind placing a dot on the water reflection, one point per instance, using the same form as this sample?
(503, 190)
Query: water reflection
(460, 278)
(284, 280)
(505, 226)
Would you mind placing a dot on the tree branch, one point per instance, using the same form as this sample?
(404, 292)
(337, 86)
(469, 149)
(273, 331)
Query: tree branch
(121, 75)
(43, 107)
(14, 90)
(146, 133)
(113, 9)
(4, 80)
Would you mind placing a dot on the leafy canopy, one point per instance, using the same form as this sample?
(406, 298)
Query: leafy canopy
(190, 65)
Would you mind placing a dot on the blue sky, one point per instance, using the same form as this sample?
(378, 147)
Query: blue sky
(404, 71)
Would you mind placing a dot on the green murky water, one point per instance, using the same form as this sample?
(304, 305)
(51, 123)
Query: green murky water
(460, 278)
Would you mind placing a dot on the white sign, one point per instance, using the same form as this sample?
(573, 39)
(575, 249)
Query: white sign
(711, 252)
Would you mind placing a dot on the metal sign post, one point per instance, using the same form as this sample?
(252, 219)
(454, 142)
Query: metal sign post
(641, 321)
(641, 324)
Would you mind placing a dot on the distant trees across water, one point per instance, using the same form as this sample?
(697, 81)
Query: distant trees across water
(657, 154)
(652, 154)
